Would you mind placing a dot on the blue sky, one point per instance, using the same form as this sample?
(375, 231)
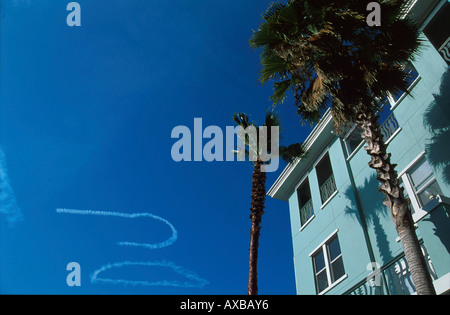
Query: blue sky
(86, 118)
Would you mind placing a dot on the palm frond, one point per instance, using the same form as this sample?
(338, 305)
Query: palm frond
(280, 89)
(288, 14)
(243, 120)
(290, 153)
(273, 66)
(265, 36)
(273, 10)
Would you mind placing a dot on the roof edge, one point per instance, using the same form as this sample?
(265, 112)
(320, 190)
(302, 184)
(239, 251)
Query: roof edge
(274, 190)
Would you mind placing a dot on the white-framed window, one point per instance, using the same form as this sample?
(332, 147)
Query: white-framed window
(389, 128)
(305, 202)
(421, 188)
(437, 30)
(327, 184)
(353, 141)
(412, 79)
(328, 265)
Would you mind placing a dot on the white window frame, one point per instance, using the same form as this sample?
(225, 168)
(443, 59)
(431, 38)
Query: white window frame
(322, 156)
(419, 211)
(302, 226)
(394, 103)
(323, 248)
(346, 144)
(430, 17)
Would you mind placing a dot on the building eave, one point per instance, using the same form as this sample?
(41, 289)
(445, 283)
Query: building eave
(283, 185)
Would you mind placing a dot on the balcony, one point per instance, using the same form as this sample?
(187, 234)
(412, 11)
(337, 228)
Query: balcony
(306, 212)
(327, 189)
(445, 50)
(392, 279)
(389, 128)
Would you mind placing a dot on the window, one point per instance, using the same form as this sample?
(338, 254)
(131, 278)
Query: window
(327, 185)
(412, 76)
(353, 140)
(424, 183)
(389, 125)
(420, 186)
(328, 265)
(305, 202)
(438, 31)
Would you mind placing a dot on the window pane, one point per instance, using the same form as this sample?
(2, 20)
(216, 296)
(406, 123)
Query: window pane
(337, 269)
(429, 193)
(319, 262)
(384, 113)
(420, 173)
(412, 76)
(334, 249)
(321, 281)
(353, 140)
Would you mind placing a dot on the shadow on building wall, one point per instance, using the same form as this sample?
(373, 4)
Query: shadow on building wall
(437, 121)
(374, 211)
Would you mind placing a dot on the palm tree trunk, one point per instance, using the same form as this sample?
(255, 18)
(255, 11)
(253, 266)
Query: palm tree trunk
(396, 203)
(256, 212)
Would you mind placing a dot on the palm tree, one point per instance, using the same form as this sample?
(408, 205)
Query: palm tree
(325, 53)
(253, 148)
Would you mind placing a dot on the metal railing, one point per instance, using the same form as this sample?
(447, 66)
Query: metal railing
(445, 50)
(306, 212)
(392, 279)
(328, 188)
(389, 127)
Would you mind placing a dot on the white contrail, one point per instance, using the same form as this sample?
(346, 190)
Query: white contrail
(165, 243)
(193, 281)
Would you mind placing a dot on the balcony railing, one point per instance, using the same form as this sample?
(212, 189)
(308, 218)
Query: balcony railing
(306, 212)
(389, 127)
(445, 50)
(327, 189)
(393, 279)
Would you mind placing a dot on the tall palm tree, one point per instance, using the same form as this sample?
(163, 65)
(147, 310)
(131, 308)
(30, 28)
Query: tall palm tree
(327, 55)
(253, 148)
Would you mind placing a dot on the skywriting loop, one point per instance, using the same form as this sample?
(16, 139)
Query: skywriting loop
(165, 243)
(192, 280)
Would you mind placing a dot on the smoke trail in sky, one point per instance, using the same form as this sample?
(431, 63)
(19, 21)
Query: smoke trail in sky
(165, 243)
(193, 281)
(8, 203)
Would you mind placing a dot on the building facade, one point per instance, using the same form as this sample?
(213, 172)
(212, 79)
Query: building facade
(344, 240)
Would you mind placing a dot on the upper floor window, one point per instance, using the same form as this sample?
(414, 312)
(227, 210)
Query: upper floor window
(412, 73)
(420, 186)
(305, 202)
(352, 140)
(327, 184)
(328, 265)
(388, 123)
(438, 31)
